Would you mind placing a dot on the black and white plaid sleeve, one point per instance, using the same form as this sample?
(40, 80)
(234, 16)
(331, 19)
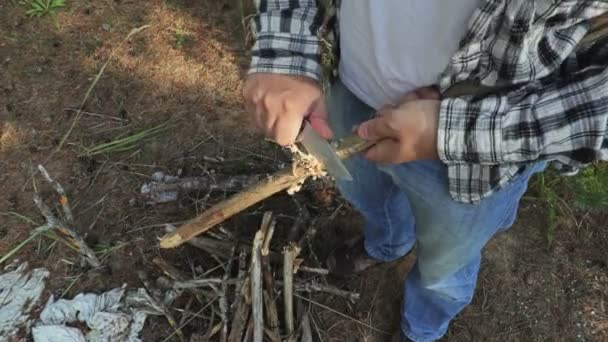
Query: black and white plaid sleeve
(562, 119)
(286, 37)
(555, 103)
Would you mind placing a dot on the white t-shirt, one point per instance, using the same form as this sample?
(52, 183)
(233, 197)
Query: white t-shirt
(391, 47)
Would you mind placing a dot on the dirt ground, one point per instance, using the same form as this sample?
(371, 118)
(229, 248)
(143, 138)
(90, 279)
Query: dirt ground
(186, 68)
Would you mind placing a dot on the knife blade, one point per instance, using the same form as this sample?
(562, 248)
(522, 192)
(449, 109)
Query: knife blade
(324, 152)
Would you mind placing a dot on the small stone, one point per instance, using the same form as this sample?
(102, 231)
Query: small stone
(106, 27)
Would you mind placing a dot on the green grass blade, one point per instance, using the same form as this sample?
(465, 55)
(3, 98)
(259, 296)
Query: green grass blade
(18, 247)
(128, 142)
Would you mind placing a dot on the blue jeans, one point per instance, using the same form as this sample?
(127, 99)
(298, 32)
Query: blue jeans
(408, 203)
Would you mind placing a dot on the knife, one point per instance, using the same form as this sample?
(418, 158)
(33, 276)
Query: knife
(324, 152)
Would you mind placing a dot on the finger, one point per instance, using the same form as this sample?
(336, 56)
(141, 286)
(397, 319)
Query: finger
(319, 120)
(262, 122)
(286, 129)
(377, 129)
(384, 152)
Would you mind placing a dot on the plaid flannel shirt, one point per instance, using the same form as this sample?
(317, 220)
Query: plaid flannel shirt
(521, 88)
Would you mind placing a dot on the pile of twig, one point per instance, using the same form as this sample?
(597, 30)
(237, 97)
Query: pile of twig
(259, 295)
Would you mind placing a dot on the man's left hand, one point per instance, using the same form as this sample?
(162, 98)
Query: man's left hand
(404, 133)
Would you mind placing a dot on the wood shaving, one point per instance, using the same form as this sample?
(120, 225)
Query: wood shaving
(313, 167)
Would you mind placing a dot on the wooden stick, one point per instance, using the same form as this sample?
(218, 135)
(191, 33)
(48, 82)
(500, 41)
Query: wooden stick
(257, 303)
(273, 316)
(273, 333)
(249, 332)
(196, 283)
(289, 255)
(306, 269)
(224, 294)
(315, 287)
(67, 232)
(179, 276)
(306, 330)
(241, 309)
(63, 198)
(279, 181)
(160, 304)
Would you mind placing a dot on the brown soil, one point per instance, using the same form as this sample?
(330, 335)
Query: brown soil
(186, 68)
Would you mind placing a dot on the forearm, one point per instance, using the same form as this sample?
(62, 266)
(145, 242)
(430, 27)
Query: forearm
(286, 38)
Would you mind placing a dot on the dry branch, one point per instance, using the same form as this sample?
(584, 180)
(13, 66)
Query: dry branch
(257, 305)
(241, 309)
(165, 188)
(207, 282)
(289, 255)
(223, 296)
(320, 271)
(306, 330)
(164, 307)
(65, 231)
(315, 287)
(280, 181)
(179, 276)
(63, 198)
(273, 333)
(284, 179)
(63, 227)
(272, 315)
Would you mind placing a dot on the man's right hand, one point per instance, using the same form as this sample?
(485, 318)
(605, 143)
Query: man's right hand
(280, 103)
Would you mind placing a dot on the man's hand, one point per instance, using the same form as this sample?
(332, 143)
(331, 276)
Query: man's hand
(406, 132)
(280, 103)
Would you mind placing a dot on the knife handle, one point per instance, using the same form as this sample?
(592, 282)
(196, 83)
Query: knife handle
(351, 145)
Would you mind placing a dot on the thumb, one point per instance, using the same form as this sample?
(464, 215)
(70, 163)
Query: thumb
(384, 152)
(376, 129)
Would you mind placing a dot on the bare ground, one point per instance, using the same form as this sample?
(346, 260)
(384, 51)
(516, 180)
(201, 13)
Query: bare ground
(186, 68)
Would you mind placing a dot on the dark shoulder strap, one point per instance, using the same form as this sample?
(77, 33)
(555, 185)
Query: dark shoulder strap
(599, 31)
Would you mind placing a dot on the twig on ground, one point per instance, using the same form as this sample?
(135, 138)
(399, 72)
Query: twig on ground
(61, 226)
(186, 309)
(315, 287)
(224, 295)
(342, 315)
(306, 330)
(212, 246)
(273, 333)
(197, 283)
(191, 318)
(289, 255)
(53, 223)
(249, 332)
(272, 315)
(320, 271)
(241, 309)
(257, 304)
(314, 323)
(164, 188)
(179, 276)
(161, 304)
(278, 182)
(63, 198)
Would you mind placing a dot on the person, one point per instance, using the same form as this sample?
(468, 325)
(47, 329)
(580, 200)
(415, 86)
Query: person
(465, 100)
